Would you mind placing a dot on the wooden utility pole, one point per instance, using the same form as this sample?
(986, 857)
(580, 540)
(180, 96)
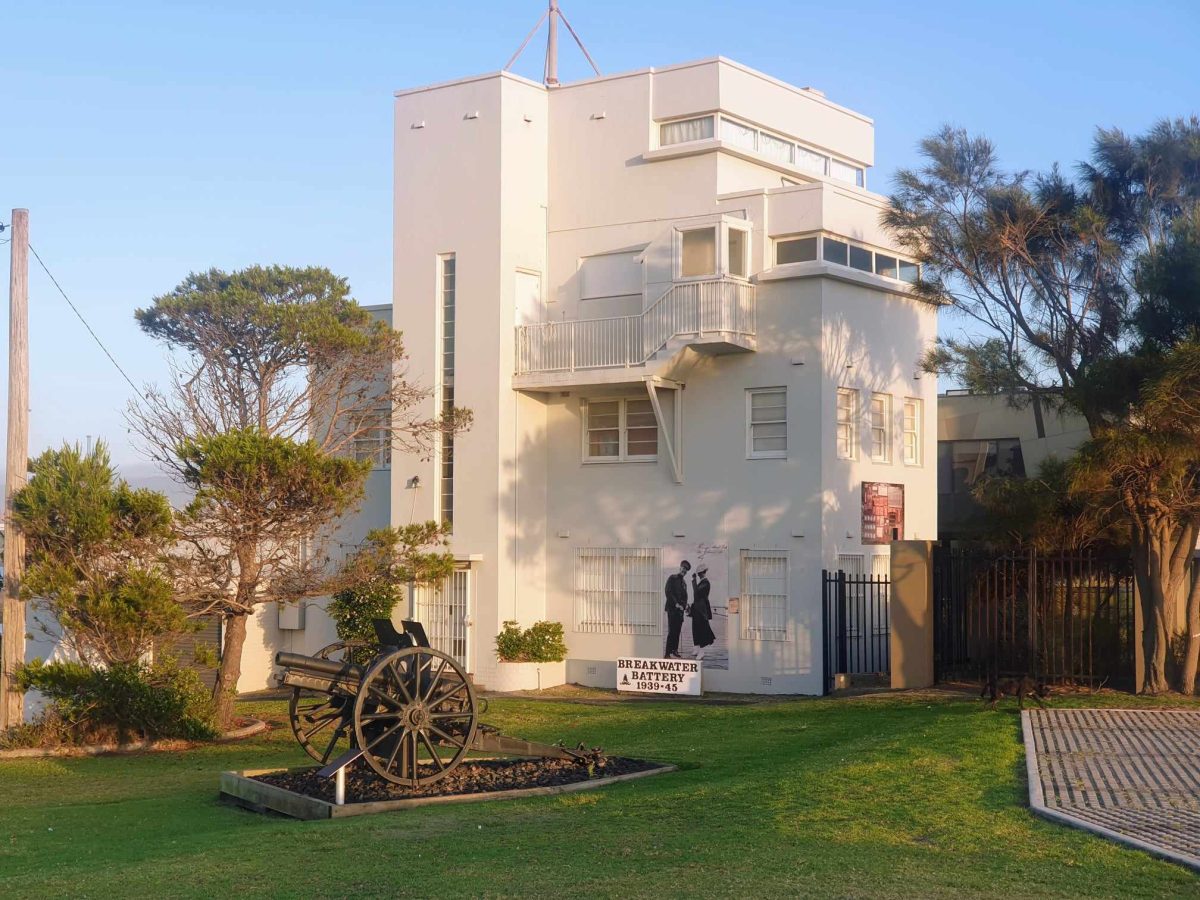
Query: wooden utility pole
(12, 613)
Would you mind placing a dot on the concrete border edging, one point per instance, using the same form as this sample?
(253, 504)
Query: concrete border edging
(241, 789)
(258, 726)
(1037, 803)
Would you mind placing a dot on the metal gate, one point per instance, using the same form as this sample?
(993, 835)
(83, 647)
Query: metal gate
(857, 624)
(445, 612)
(1067, 619)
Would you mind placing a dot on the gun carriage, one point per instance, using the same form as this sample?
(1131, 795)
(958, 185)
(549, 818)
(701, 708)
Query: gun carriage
(412, 710)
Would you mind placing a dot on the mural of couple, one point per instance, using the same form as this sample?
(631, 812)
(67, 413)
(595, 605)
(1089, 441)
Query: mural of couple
(696, 608)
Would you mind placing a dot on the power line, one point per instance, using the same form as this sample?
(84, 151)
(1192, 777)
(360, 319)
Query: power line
(79, 315)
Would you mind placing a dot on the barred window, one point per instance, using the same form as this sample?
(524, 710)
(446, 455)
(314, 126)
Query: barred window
(617, 590)
(764, 604)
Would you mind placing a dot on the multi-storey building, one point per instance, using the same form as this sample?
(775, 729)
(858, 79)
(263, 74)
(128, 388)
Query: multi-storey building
(667, 298)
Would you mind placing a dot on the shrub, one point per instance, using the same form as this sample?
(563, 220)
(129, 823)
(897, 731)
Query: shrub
(541, 642)
(124, 701)
(355, 608)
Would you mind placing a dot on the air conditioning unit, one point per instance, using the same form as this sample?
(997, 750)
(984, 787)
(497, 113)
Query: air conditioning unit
(291, 616)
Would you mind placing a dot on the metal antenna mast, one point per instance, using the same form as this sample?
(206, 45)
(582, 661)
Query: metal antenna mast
(550, 72)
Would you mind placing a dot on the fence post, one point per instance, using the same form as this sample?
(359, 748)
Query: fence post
(826, 673)
(840, 628)
(911, 614)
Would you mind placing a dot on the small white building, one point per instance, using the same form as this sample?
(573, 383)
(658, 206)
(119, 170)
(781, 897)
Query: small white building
(667, 298)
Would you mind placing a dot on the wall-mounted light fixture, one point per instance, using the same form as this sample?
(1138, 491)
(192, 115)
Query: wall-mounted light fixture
(472, 115)
(415, 125)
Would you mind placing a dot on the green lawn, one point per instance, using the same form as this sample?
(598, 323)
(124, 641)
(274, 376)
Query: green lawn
(854, 797)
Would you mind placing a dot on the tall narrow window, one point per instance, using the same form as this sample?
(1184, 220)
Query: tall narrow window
(446, 457)
(766, 423)
(847, 423)
(912, 431)
(881, 427)
(738, 245)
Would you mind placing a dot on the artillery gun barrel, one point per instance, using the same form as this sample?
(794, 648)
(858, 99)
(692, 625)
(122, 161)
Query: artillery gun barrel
(314, 665)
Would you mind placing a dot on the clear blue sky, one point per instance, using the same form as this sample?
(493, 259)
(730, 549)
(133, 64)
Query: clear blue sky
(149, 139)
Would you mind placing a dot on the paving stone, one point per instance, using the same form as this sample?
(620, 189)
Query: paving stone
(1132, 775)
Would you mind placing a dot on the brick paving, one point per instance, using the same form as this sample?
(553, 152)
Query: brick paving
(1130, 775)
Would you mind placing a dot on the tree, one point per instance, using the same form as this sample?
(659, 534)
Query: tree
(279, 380)
(1045, 511)
(97, 551)
(373, 576)
(1057, 280)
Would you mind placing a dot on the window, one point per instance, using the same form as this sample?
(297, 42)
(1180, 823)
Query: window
(834, 251)
(847, 423)
(881, 427)
(738, 245)
(616, 590)
(811, 162)
(795, 250)
(912, 431)
(860, 258)
(909, 271)
(620, 430)
(885, 265)
(962, 463)
(736, 133)
(698, 129)
(845, 172)
(446, 450)
(776, 147)
(766, 423)
(764, 604)
(374, 441)
(698, 253)
(853, 564)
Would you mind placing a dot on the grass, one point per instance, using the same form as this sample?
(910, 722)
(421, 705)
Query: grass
(908, 795)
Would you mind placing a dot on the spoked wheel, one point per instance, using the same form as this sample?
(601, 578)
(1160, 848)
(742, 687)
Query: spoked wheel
(415, 716)
(322, 723)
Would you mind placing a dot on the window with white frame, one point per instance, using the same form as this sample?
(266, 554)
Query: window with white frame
(766, 423)
(738, 134)
(698, 252)
(616, 589)
(682, 131)
(764, 602)
(621, 430)
(738, 247)
(852, 564)
(794, 250)
(847, 423)
(881, 428)
(373, 440)
(913, 409)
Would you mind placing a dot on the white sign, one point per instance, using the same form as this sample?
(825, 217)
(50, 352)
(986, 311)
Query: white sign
(658, 676)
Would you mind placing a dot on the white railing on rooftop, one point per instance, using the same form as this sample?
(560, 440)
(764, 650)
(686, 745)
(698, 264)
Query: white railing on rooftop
(721, 306)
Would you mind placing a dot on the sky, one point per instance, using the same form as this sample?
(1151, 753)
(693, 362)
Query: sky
(152, 139)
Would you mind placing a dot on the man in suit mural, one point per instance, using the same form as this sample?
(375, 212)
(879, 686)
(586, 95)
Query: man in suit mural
(676, 608)
(705, 602)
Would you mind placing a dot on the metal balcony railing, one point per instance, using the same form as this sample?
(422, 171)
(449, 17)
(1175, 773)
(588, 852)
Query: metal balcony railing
(714, 308)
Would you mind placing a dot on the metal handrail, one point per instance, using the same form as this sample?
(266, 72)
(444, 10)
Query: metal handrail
(714, 306)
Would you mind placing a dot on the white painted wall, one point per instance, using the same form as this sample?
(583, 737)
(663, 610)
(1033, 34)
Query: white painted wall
(514, 178)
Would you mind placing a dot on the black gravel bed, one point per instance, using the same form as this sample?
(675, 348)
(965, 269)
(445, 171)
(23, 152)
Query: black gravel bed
(484, 776)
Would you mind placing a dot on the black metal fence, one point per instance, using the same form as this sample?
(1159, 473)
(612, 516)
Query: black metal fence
(856, 624)
(1068, 619)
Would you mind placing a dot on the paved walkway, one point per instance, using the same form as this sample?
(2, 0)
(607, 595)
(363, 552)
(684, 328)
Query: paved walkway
(1130, 775)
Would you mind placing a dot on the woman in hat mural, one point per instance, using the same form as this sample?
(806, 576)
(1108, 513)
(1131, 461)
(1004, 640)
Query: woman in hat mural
(701, 611)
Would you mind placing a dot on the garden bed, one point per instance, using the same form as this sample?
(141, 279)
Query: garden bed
(248, 727)
(300, 793)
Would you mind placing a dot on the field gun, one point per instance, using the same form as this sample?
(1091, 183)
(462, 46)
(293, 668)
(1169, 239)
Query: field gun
(412, 710)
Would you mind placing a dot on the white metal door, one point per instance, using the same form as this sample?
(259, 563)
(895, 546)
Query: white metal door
(445, 611)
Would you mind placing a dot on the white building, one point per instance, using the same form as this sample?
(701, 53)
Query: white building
(668, 301)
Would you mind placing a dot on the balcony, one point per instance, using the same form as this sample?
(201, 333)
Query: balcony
(714, 316)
